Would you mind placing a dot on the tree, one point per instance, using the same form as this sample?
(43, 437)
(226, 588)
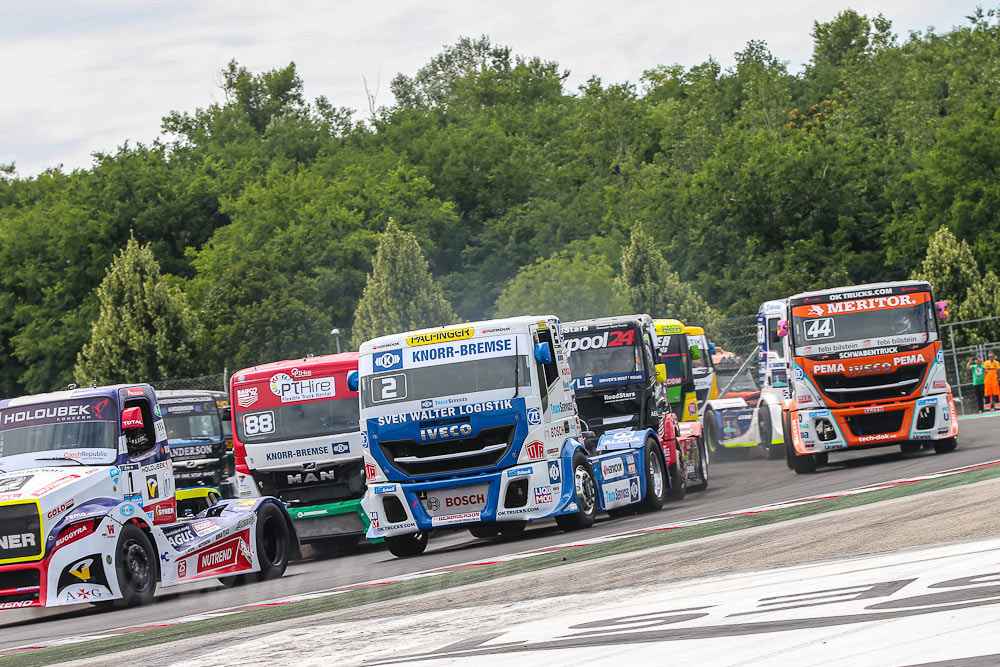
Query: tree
(143, 330)
(949, 267)
(400, 294)
(648, 285)
(982, 301)
(573, 286)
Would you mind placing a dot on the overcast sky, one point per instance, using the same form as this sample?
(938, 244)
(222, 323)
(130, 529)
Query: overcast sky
(86, 76)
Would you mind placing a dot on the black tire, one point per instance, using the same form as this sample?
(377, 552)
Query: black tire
(715, 448)
(485, 530)
(512, 527)
(273, 547)
(945, 446)
(910, 447)
(764, 430)
(822, 458)
(703, 458)
(804, 464)
(656, 478)
(586, 496)
(137, 567)
(789, 448)
(404, 546)
(678, 480)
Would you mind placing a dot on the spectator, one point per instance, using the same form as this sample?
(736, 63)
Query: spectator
(978, 375)
(992, 383)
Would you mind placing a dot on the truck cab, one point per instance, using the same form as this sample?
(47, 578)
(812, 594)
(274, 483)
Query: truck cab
(475, 426)
(199, 432)
(88, 512)
(867, 370)
(296, 437)
(702, 365)
(620, 385)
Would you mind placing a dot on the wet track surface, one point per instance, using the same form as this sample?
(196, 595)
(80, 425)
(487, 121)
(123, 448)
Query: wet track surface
(734, 484)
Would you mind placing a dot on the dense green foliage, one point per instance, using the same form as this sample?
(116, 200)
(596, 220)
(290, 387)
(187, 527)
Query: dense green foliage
(400, 294)
(143, 330)
(753, 182)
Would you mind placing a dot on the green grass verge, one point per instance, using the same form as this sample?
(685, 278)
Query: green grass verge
(100, 647)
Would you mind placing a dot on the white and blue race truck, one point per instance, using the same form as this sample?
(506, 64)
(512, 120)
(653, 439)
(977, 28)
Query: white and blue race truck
(88, 512)
(475, 426)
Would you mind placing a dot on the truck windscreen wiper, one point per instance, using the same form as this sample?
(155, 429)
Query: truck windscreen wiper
(62, 458)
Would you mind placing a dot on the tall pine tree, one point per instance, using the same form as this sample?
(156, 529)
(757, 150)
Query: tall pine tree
(143, 331)
(649, 285)
(400, 294)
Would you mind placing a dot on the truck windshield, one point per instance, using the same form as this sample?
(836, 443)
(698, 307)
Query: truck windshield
(612, 351)
(88, 426)
(298, 420)
(191, 420)
(699, 366)
(448, 379)
(861, 324)
(673, 350)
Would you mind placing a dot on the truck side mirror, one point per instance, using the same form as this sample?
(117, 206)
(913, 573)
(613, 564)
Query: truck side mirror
(131, 418)
(711, 348)
(661, 372)
(352, 381)
(695, 352)
(942, 309)
(543, 353)
(782, 328)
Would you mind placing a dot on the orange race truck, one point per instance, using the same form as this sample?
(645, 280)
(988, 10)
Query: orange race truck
(867, 371)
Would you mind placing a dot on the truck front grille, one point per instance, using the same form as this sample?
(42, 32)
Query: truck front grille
(876, 424)
(842, 389)
(327, 483)
(416, 459)
(20, 532)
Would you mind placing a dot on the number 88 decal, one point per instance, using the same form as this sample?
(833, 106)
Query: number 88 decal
(258, 422)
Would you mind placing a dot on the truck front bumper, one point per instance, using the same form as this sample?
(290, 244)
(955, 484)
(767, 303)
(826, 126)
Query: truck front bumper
(825, 430)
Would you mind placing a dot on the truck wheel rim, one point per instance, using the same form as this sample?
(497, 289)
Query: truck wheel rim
(656, 473)
(137, 568)
(586, 495)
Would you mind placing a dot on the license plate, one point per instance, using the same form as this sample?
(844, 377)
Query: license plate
(456, 501)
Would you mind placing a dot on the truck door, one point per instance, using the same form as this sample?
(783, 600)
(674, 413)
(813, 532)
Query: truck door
(777, 364)
(548, 376)
(149, 475)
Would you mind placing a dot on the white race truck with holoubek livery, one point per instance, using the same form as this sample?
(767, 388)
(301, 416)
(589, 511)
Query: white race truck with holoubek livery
(475, 426)
(88, 513)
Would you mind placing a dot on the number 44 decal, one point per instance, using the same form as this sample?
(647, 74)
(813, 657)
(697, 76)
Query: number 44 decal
(820, 328)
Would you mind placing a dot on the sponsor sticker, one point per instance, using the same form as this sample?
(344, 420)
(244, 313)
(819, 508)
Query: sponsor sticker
(555, 472)
(389, 360)
(519, 472)
(449, 519)
(534, 416)
(246, 397)
(536, 450)
(440, 336)
(543, 494)
(290, 390)
(612, 468)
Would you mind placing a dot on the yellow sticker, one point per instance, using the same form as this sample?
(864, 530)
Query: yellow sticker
(441, 336)
(669, 329)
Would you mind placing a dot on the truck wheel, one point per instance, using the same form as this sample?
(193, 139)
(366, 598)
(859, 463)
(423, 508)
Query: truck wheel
(137, 567)
(703, 460)
(764, 425)
(656, 479)
(586, 496)
(789, 448)
(484, 530)
(804, 464)
(404, 546)
(272, 548)
(945, 446)
(678, 480)
(715, 448)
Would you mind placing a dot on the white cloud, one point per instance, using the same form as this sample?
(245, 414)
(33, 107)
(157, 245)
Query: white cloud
(81, 77)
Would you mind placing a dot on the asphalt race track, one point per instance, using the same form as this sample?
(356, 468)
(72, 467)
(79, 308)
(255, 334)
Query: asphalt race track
(733, 485)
